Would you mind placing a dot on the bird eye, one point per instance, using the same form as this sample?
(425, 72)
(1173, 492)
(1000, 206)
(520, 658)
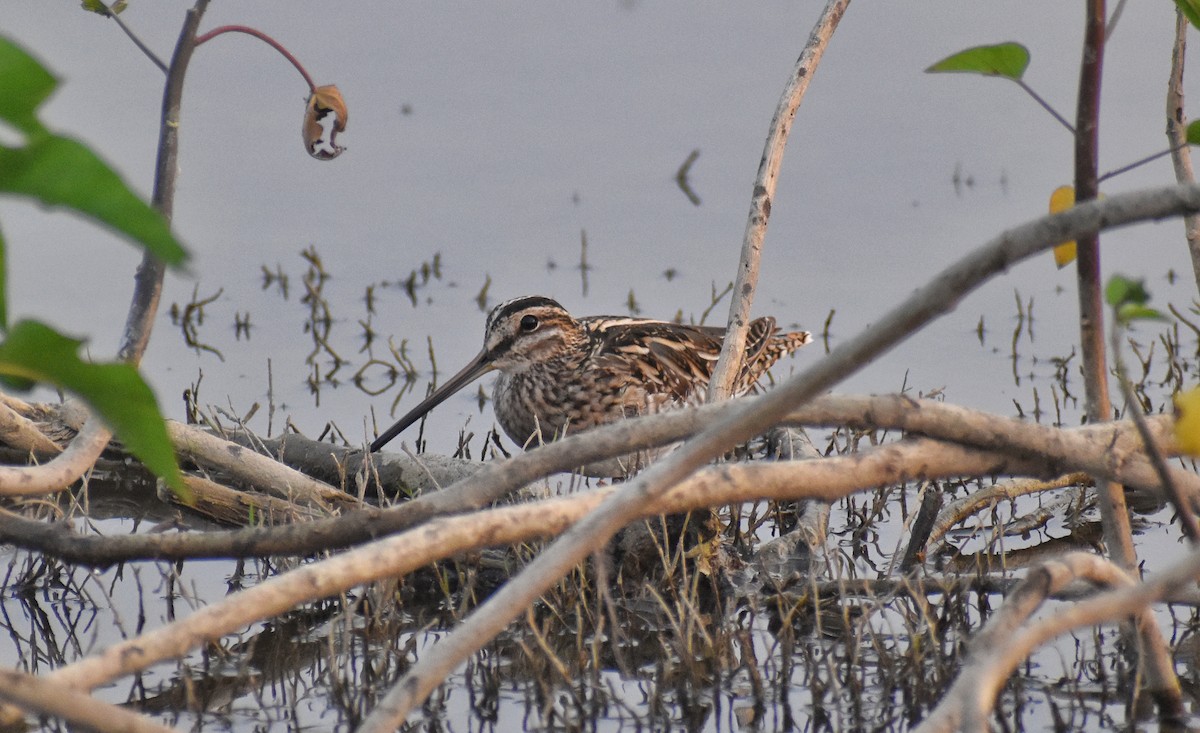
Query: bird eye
(529, 323)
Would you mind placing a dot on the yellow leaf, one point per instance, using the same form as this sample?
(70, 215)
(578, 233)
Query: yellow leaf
(323, 101)
(1187, 421)
(1062, 199)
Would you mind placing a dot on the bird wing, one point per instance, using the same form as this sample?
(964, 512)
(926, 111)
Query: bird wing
(678, 359)
(664, 357)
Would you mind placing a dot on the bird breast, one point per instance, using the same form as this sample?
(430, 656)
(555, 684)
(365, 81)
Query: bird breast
(549, 400)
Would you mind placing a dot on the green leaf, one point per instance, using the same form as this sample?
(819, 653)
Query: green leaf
(1003, 59)
(1190, 10)
(1129, 300)
(1122, 291)
(1193, 132)
(98, 7)
(1131, 312)
(26, 84)
(34, 352)
(59, 171)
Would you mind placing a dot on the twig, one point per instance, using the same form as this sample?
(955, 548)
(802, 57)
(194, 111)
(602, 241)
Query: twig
(958, 510)
(1181, 152)
(204, 38)
(729, 364)
(1045, 105)
(919, 529)
(1135, 164)
(1133, 410)
(133, 37)
(1113, 20)
(148, 281)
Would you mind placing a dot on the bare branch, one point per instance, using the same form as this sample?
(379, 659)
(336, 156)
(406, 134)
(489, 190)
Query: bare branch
(447, 536)
(958, 511)
(255, 469)
(64, 470)
(1007, 639)
(720, 386)
(40, 695)
(148, 281)
(116, 18)
(1110, 449)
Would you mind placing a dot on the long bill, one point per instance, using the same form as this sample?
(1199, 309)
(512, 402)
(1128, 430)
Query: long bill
(479, 366)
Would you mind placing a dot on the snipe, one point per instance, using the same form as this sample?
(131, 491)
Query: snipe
(558, 372)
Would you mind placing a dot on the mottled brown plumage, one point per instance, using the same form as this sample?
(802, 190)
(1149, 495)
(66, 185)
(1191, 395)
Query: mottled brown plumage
(559, 373)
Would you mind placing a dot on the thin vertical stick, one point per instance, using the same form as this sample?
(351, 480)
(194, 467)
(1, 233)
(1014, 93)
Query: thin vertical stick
(1181, 153)
(730, 362)
(149, 278)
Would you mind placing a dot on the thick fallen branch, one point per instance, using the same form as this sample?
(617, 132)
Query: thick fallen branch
(239, 508)
(1009, 638)
(446, 537)
(1061, 451)
(21, 432)
(255, 469)
(39, 695)
(61, 471)
(828, 479)
(398, 474)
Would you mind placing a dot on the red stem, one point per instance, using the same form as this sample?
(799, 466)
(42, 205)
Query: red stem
(312, 88)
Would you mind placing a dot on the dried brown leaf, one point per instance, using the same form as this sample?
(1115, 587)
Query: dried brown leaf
(324, 101)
